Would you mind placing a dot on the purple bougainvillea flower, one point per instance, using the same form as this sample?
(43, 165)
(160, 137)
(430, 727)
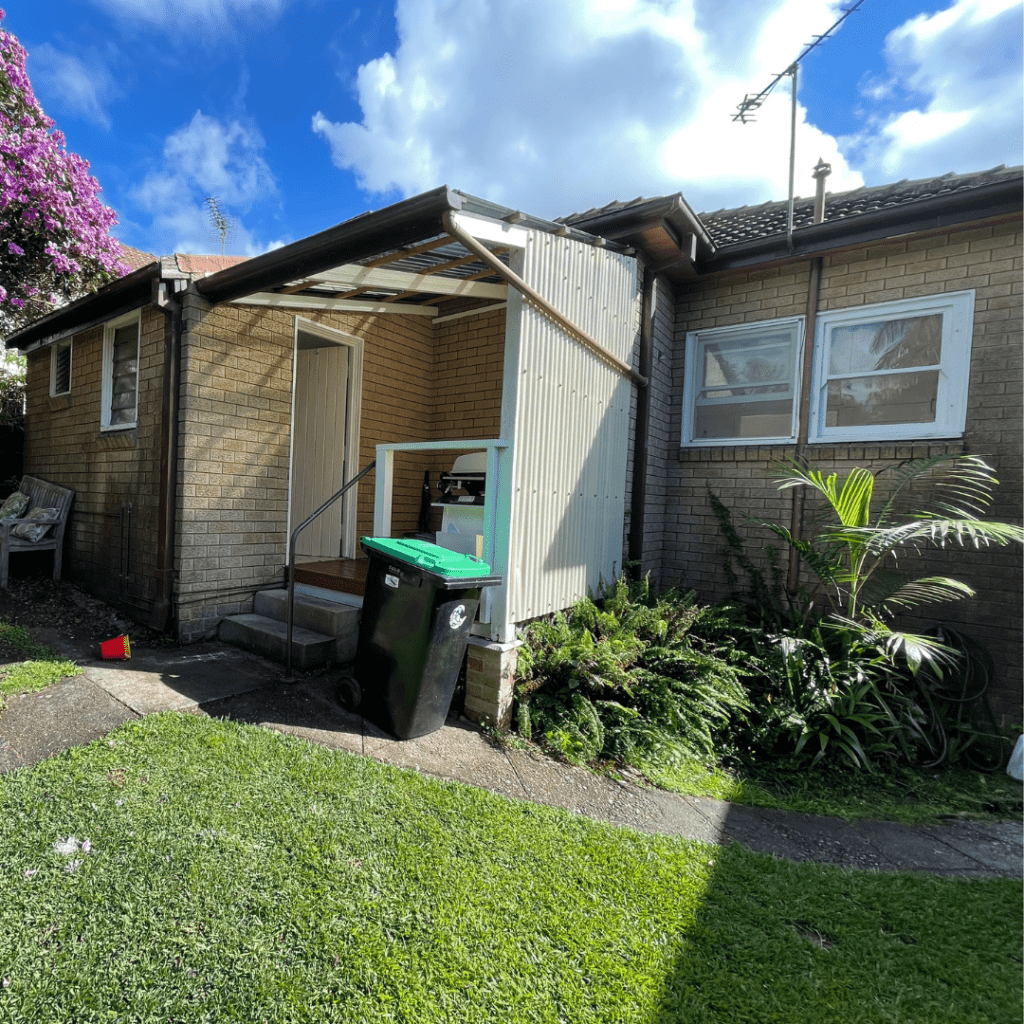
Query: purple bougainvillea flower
(46, 196)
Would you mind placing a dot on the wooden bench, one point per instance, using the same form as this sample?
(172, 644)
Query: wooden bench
(42, 494)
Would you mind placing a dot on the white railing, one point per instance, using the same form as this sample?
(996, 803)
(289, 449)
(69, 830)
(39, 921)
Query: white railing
(494, 516)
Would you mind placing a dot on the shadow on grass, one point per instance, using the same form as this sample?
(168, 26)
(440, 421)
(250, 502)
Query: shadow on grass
(780, 941)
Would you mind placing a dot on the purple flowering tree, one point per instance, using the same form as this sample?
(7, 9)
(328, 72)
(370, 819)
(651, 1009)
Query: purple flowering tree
(55, 243)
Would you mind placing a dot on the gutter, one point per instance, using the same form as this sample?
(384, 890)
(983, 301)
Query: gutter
(113, 299)
(538, 300)
(369, 234)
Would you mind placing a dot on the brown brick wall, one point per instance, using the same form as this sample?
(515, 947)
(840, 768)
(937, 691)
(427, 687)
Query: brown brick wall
(236, 416)
(112, 536)
(467, 376)
(986, 259)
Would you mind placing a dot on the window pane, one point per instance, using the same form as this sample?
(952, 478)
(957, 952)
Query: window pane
(876, 401)
(743, 420)
(887, 344)
(745, 386)
(747, 361)
(125, 368)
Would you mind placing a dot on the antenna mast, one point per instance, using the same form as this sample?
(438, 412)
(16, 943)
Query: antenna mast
(221, 223)
(744, 110)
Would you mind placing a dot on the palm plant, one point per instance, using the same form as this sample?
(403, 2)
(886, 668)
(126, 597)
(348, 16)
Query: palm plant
(857, 557)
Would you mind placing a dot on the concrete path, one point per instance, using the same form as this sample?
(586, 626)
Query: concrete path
(223, 682)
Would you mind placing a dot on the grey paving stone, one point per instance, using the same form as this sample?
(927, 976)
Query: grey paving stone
(181, 680)
(297, 710)
(915, 849)
(992, 845)
(459, 751)
(72, 712)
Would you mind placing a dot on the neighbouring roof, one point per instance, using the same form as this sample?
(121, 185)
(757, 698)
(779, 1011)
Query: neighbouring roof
(136, 258)
(191, 263)
(746, 223)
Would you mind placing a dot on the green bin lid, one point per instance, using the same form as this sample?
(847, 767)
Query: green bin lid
(431, 557)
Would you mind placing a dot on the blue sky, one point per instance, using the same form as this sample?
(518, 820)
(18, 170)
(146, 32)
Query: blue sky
(298, 114)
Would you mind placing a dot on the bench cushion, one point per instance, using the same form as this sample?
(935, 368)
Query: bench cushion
(32, 532)
(14, 506)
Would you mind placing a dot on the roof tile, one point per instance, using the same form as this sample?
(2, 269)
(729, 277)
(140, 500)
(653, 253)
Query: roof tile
(746, 223)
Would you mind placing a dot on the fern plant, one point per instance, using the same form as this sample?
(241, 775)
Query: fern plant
(635, 679)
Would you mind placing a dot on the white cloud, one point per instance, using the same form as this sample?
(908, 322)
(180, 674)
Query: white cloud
(191, 15)
(81, 87)
(964, 65)
(559, 106)
(207, 157)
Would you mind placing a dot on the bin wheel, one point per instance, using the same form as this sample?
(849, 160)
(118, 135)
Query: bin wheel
(350, 693)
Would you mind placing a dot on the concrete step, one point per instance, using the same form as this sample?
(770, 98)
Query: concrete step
(269, 637)
(327, 617)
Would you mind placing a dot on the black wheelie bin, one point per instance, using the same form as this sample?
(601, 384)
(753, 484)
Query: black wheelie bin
(419, 605)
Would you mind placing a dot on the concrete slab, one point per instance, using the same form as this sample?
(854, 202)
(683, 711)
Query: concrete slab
(459, 751)
(678, 816)
(914, 849)
(179, 681)
(746, 826)
(824, 840)
(72, 712)
(575, 789)
(296, 710)
(995, 846)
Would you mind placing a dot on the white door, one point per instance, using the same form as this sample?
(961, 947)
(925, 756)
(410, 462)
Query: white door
(320, 443)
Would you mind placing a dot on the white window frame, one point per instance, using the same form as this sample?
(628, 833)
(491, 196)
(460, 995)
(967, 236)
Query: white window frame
(957, 309)
(108, 369)
(694, 339)
(55, 351)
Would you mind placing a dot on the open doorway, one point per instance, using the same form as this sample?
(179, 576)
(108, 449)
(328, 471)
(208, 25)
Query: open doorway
(325, 438)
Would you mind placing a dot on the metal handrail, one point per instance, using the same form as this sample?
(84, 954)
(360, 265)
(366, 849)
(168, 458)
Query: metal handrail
(291, 555)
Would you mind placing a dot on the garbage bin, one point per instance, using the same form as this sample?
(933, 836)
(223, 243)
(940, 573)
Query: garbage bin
(419, 605)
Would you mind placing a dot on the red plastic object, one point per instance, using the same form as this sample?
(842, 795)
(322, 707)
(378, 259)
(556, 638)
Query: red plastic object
(117, 649)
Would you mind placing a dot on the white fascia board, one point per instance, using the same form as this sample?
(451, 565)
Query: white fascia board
(492, 232)
(314, 302)
(377, 277)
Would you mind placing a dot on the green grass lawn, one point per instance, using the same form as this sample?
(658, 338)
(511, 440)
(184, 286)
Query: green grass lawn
(237, 875)
(41, 669)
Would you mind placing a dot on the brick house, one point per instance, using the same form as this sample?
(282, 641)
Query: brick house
(201, 410)
(941, 254)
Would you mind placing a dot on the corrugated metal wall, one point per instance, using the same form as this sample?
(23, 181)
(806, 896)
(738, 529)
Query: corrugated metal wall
(571, 426)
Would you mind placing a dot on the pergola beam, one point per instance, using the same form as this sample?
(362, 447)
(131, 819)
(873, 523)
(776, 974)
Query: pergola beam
(373, 278)
(279, 301)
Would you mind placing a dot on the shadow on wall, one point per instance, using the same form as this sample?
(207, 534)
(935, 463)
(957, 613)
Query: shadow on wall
(587, 544)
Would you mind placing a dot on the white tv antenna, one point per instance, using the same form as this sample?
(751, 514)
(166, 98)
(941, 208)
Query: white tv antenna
(744, 110)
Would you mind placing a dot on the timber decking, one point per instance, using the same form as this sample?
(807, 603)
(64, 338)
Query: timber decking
(346, 575)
